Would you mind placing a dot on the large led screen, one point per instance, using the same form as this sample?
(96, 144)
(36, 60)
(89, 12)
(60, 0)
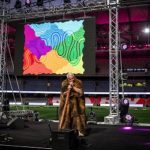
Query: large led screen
(57, 47)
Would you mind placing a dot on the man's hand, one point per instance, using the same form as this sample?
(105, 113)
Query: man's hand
(71, 83)
(65, 93)
(69, 86)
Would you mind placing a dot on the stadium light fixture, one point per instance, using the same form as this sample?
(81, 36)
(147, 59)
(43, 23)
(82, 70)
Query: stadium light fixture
(28, 3)
(146, 30)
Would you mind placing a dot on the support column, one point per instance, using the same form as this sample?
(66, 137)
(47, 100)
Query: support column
(113, 117)
(3, 38)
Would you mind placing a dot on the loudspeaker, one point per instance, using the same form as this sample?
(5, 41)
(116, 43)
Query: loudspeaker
(64, 140)
(16, 123)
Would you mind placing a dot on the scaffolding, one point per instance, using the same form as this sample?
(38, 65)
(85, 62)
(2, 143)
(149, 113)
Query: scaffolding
(3, 40)
(113, 117)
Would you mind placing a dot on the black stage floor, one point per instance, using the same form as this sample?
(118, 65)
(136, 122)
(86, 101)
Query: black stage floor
(36, 135)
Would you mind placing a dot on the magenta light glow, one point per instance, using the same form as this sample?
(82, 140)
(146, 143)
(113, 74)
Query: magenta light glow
(127, 128)
(147, 143)
(143, 129)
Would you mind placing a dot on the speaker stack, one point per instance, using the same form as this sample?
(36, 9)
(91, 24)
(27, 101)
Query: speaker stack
(64, 140)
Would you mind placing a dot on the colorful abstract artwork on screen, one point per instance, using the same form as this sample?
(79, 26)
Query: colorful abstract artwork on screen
(54, 48)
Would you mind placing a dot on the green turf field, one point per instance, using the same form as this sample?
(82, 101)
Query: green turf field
(142, 115)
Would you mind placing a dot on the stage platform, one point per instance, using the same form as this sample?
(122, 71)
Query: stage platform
(37, 135)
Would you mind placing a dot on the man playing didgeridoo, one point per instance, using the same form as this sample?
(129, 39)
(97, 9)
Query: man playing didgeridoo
(72, 105)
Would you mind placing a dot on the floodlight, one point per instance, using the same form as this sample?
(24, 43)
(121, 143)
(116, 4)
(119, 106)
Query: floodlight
(92, 118)
(28, 3)
(147, 30)
(124, 46)
(125, 102)
(129, 119)
(124, 107)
